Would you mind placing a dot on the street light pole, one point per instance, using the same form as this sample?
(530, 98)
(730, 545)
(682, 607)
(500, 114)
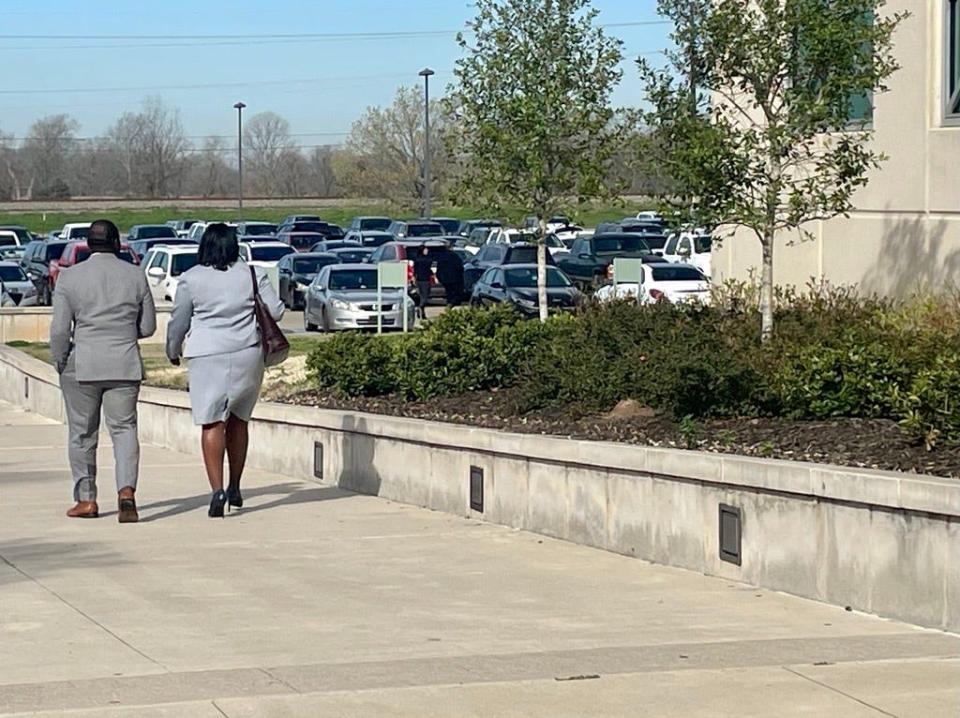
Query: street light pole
(426, 74)
(239, 108)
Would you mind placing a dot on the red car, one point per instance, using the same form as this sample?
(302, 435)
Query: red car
(77, 252)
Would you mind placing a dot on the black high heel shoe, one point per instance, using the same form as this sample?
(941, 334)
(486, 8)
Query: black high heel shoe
(217, 501)
(234, 497)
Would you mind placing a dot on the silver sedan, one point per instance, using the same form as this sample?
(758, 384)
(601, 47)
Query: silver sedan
(18, 290)
(344, 296)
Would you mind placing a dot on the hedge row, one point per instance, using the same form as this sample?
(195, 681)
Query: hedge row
(833, 355)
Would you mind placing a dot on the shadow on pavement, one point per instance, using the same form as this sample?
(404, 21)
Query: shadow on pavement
(290, 494)
(35, 559)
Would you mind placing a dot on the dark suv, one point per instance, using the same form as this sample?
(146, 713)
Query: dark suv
(36, 263)
(495, 255)
(591, 257)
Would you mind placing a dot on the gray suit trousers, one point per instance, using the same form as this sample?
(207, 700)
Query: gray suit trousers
(84, 401)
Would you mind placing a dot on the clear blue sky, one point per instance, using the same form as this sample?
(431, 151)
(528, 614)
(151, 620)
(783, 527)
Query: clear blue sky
(342, 76)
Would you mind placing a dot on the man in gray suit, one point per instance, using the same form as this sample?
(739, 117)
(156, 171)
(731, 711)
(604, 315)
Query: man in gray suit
(101, 308)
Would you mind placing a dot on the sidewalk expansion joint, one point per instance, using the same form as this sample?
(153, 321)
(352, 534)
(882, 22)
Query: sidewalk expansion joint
(839, 692)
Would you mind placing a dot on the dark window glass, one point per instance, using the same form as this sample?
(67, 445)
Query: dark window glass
(353, 256)
(303, 241)
(374, 224)
(8, 241)
(183, 262)
(676, 274)
(12, 274)
(609, 245)
(703, 244)
(156, 232)
(424, 230)
(259, 230)
(522, 255)
(312, 265)
(354, 279)
(268, 254)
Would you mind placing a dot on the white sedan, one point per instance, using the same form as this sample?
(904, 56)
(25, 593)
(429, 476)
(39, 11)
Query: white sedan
(675, 283)
(264, 254)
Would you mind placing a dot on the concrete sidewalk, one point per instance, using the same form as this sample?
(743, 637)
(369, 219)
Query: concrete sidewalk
(315, 602)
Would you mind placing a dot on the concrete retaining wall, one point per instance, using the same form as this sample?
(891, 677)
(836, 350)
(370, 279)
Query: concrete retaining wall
(32, 324)
(878, 542)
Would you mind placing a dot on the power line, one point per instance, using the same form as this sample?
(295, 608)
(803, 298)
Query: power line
(398, 34)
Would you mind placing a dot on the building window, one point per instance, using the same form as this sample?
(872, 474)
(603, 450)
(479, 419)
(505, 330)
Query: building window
(952, 46)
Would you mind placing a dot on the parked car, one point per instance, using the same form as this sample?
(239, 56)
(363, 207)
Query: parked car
(344, 296)
(329, 231)
(9, 238)
(151, 231)
(502, 235)
(692, 248)
(142, 246)
(567, 234)
(163, 266)
(264, 254)
(353, 255)
(662, 282)
(497, 255)
(75, 231)
(76, 252)
(17, 285)
(449, 224)
(196, 231)
(328, 245)
(415, 228)
(294, 218)
(182, 226)
(368, 238)
(38, 257)
(296, 274)
(556, 222)
(370, 224)
(468, 225)
(402, 251)
(590, 257)
(256, 229)
(300, 241)
(516, 285)
(23, 234)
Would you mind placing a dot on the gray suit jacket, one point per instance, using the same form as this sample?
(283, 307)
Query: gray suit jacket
(101, 308)
(213, 311)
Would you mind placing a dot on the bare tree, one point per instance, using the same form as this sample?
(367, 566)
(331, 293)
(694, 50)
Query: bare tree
(210, 175)
(322, 180)
(151, 147)
(383, 156)
(13, 171)
(267, 146)
(46, 154)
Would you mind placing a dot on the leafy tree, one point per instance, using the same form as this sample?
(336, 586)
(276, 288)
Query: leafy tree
(534, 126)
(755, 117)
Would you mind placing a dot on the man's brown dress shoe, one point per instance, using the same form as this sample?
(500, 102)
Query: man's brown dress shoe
(127, 509)
(84, 510)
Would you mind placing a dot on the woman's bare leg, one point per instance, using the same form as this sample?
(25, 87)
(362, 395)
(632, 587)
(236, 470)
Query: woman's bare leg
(213, 444)
(237, 441)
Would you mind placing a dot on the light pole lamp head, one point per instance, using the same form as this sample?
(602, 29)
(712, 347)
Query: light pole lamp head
(239, 106)
(426, 72)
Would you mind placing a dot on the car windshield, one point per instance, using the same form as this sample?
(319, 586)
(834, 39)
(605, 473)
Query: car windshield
(268, 254)
(376, 240)
(375, 224)
(312, 266)
(319, 227)
(259, 230)
(183, 262)
(424, 230)
(156, 232)
(610, 245)
(522, 255)
(703, 244)
(304, 241)
(330, 246)
(12, 274)
(8, 241)
(526, 277)
(354, 279)
(676, 274)
(354, 256)
(79, 233)
(449, 225)
(655, 241)
(83, 254)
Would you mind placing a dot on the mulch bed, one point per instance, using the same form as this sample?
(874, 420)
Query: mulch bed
(862, 443)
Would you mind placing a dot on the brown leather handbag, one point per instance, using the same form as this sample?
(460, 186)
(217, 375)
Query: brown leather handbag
(276, 348)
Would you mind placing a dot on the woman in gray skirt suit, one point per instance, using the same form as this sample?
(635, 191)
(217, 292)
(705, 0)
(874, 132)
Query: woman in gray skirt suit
(213, 326)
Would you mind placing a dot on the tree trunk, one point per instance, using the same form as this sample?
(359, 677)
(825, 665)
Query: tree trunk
(542, 270)
(766, 287)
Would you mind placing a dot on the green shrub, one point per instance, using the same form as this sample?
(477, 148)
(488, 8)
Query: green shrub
(355, 364)
(930, 407)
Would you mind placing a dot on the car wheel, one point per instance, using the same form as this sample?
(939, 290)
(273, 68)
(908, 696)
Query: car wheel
(308, 326)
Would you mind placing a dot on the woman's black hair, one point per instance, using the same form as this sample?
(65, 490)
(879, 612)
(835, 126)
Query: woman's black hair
(218, 247)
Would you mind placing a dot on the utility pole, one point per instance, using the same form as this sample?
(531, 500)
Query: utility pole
(239, 108)
(426, 74)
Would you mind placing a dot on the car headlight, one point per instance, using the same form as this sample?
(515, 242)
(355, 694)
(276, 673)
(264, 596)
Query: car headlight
(339, 304)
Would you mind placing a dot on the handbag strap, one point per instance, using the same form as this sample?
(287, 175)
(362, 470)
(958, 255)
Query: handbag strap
(256, 283)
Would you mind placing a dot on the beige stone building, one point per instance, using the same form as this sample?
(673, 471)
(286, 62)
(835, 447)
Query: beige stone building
(905, 232)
